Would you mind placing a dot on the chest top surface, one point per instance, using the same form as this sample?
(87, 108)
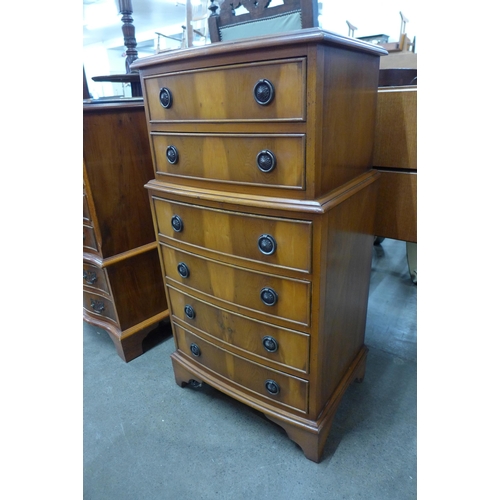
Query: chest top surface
(287, 41)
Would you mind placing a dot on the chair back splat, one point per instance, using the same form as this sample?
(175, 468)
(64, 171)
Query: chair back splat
(260, 18)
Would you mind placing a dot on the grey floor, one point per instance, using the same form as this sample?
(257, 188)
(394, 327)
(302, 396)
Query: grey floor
(145, 438)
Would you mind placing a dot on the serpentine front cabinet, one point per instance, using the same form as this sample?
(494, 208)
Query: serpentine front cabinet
(122, 284)
(263, 203)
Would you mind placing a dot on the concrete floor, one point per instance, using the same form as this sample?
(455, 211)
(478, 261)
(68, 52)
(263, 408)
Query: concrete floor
(145, 438)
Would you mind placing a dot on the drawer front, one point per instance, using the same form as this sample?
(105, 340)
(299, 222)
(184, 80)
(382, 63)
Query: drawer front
(285, 298)
(264, 160)
(226, 93)
(257, 238)
(95, 277)
(89, 239)
(285, 389)
(86, 211)
(278, 346)
(99, 306)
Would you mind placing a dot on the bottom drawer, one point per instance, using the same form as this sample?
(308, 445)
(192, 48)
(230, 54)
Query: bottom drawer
(96, 304)
(270, 384)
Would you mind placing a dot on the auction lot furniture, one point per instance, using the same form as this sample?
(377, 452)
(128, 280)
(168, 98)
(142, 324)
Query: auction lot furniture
(395, 157)
(263, 203)
(122, 282)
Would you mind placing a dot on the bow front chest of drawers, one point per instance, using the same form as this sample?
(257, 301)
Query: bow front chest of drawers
(263, 203)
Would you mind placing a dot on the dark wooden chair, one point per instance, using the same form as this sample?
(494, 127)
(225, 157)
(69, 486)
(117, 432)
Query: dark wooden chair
(261, 18)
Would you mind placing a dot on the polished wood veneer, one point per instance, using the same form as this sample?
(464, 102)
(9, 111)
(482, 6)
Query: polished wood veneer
(211, 156)
(122, 285)
(195, 99)
(264, 212)
(395, 156)
(234, 233)
(242, 334)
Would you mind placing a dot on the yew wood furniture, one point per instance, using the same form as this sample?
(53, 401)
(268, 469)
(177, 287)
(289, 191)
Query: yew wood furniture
(263, 203)
(122, 281)
(395, 156)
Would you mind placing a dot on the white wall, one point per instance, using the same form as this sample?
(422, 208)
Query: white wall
(370, 17)
(96, 62)
(107, 58)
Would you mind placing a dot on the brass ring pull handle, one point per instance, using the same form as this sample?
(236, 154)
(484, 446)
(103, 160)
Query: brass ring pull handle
(189, 311)
(165, 97)
(90, 277)
(177, 223)
(267, 244)
(272, 387)
(172, 155)
(266, 161)
(270, 343)
(263, 92)
(268, 296)
(183, 270)
(195, 350)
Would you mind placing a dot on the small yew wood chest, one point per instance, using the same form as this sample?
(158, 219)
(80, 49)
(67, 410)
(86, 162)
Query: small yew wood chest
(123, 290)
(263, 203)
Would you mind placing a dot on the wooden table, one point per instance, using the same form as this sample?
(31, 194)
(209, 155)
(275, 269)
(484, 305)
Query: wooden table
(132, 78)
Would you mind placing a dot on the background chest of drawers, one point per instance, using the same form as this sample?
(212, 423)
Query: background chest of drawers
(263, 203)
(123, 290)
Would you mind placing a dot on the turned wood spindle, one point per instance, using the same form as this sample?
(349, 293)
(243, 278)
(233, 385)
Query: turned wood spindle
(128, 30)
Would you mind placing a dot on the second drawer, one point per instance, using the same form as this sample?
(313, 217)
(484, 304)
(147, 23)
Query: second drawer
(270, 160)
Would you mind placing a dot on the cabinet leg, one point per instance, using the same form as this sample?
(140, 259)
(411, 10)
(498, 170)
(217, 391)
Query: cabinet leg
(359, 374)
(312, 439)
(311, 442)
(132, 346)
(182, 376)
(310, 435)
(129, 344)
(127, 348)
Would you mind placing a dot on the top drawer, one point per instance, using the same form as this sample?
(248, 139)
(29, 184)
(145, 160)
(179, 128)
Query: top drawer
(270, 91)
